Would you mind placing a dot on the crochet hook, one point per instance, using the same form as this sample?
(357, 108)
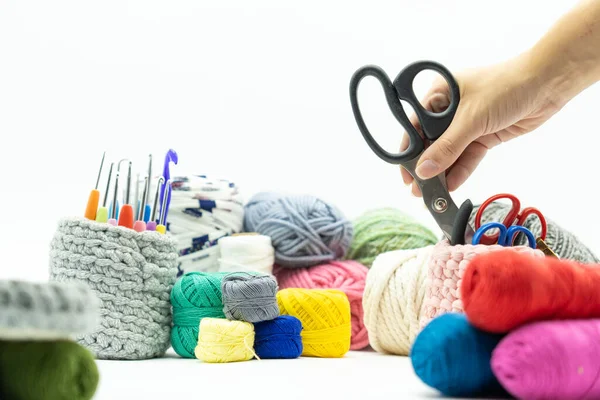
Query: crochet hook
(126, 212)
(94, 199)
(102, 214)
(140, 225)
(113, 208)
(136, 195)
(171, 157)
(147, 208)
(151, 225)
(162, 226)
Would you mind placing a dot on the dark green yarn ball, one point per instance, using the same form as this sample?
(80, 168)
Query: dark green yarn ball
(58, 370)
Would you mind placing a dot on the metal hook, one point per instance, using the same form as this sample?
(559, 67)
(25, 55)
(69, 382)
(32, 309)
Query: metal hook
(143, 200)
(149, 183)
(163, 211)
(100, 170)
(108, 184)
(161, 181)
(114, 205)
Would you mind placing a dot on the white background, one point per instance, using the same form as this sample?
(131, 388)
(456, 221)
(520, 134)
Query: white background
(257, 92)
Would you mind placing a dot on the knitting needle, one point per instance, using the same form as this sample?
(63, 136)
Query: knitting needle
(126, 212)
(151, 225)
(102, 214)
(162, 228)
(147, 209)
(140, 225)
(94, 199)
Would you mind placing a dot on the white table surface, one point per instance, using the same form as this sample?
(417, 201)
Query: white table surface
(359, 375)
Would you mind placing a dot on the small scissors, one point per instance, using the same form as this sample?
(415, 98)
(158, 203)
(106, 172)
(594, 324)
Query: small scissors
(434, 190)
(506, 236)
(515, 217)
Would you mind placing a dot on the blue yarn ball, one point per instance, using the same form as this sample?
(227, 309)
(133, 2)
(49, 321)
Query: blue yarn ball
(304, 230)
(278, 338)
(454, 357)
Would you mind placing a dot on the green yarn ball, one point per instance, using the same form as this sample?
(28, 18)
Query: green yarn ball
(60, 370)
(196, 295)
(383, 230)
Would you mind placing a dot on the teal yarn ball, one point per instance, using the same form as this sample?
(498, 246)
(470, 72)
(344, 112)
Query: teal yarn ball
(383, 230)
(196, 295)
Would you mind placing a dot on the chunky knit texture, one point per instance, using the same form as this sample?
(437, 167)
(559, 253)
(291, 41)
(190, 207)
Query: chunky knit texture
(393, 299)
(446, 268)
(46, 311)
(132, 273)
(566, 245)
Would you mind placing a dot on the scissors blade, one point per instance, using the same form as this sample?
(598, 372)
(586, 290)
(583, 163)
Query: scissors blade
(438, 201)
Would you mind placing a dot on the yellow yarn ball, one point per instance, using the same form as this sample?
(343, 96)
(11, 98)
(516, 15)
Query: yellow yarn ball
(325, 317)
(221, 341)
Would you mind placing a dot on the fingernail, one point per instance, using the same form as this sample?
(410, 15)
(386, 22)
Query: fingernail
(427, 169)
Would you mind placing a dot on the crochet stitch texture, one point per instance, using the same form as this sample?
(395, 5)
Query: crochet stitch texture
(52, 310)
(131, 273)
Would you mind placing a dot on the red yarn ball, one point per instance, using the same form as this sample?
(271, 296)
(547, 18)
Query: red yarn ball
(347, 276)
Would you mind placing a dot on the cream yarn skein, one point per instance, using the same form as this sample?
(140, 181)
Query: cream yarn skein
(393, 299)
(246, 253)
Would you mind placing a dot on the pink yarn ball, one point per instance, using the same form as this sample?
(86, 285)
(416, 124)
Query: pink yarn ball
(347, 276)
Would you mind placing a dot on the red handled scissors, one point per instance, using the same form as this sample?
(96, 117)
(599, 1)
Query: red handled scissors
(515, 216)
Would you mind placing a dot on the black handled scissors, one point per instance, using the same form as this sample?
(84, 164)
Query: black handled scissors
(452, 221)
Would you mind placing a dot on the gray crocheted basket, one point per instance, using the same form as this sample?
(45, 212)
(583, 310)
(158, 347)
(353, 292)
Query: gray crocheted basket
(131, 273)
(46, 311)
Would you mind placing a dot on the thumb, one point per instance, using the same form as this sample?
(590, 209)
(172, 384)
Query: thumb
(444, 151)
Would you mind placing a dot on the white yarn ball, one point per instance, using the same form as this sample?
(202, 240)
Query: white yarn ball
(249, 253)
(393, 299)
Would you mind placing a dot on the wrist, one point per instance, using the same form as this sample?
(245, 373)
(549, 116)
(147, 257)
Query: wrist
(566, 60)
(554, 79)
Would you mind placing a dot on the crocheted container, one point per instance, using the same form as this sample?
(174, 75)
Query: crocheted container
(446, 268)
(46, 311)
(131, 273)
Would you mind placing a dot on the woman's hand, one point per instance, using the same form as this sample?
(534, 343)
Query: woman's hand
(507, 100)
(497, 104)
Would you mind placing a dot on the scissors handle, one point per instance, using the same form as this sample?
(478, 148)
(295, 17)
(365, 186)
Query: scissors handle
(415, 143)
(509, 237)
(479, 234)
(510, 218)
(432, 124)
(526, 212)
(515, 216)
(505, 236)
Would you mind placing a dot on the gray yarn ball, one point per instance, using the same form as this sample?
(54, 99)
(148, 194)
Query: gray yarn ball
(46, 311)
(249, 297)
(304, 230)
(566, 245)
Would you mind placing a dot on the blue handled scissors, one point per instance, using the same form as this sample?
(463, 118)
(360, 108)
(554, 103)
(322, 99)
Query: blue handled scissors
(434, 190)
(506, 236)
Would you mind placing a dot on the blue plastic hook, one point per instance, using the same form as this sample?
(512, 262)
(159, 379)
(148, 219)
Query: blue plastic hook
(171, 157)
